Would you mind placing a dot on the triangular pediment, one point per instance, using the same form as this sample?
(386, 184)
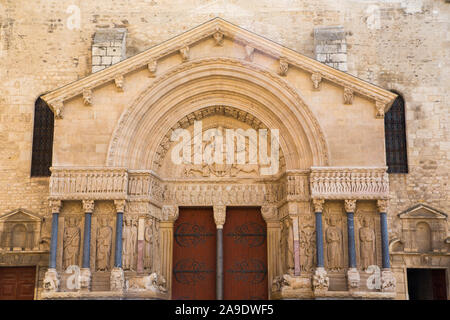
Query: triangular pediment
(422, 211)
(217, 29)
(20, 215)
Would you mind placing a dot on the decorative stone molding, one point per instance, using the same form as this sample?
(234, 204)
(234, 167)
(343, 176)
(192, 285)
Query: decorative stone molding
(220, 213)
(316, 79)
(151, 67)
(170, 213)
(283, 67)
(184, 52)
(88, 206)
(318, 205)
(349, 183)
(320, 281)
(353, 278)
(297, 186)
(87, 97)
(382, 205)
(119, 82)
(269, 213)
(348, 96)
(117, 279)
(381, 109)
(350, 205)
(143, 185)
(88, 183)
(237, 35)
(51, 281)
(55, 206)
(120, 205)
(249, 52)
(388, 281)
(218, 37)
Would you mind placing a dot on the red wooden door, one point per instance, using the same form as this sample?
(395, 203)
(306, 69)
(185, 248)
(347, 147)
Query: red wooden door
(194, 255)
(439, 284)
(245, 255)
(17, 283)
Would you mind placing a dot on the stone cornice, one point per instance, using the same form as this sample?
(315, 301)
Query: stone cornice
(56, 98)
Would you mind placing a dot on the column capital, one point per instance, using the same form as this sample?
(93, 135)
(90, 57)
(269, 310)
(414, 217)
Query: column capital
(350, 205)
(55, 205)
(120, 205)
(220, 213)
(269, 213)
(88, 206)
(382, 205)
(170, 213)
(318, 205)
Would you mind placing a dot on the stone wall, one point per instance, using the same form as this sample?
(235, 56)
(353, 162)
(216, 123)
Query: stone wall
(397, 44)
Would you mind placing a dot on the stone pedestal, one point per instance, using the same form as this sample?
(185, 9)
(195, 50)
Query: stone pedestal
(117, 279)
(320, 281)
(353, 279)
(388, 281)
(51, 281)
(85, 279)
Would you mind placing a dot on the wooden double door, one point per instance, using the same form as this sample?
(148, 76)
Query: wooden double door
(195, 253)
(17, 283)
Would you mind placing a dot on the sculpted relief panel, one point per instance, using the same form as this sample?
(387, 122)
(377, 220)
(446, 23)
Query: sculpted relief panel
(71, 242)
(335, 234)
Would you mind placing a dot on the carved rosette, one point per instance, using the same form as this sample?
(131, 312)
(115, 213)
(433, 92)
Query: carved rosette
(55, 206)
(220, 213)
(353, 278)
(88, 206)
(151, 66)
(117, 279)
(269, 213)
(350, 205)
(283, 67)
(348, 96)
(120, 205)
(318, 205)
(382, 205)
(320, 281)
(87, 97)
(316, 79)
(388, 281)
(170, 213)
(51, 281)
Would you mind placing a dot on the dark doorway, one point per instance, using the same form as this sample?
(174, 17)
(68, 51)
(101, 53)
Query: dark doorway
(17, 283)
(427, 284)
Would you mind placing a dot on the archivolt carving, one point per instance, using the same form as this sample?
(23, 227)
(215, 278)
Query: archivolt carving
(225, 67)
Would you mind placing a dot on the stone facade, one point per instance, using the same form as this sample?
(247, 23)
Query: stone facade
(397, 45)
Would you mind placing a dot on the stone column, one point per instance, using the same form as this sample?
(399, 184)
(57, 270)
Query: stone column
(51, 278)
(293, 215)
(270, 215)
(85, 272)
(320, 280)
(388, 281)
(117, 279)
(219, 217)
(169, 216)
(352, 273)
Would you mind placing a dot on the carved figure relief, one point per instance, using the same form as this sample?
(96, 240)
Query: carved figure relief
(104, 241)
(129, 237)
(72, 237)
(156, 251)
(307, 245)
(333, 237)
(367, 244)
(148, 248)
(287, 245)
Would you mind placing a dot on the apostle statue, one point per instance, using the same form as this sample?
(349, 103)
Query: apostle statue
(71, 245)
(129, 243)
(334, 244)
(148, 249)
(104, 239)
(367, 243)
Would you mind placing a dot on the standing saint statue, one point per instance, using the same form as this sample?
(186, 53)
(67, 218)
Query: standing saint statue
(367, 244)
(71, 245)
(129, 243)
(334, 247)
(104, 237)
(156, 251)
(148, 249)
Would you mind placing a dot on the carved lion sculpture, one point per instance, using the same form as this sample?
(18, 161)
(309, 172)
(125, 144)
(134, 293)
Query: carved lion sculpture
(153, 282)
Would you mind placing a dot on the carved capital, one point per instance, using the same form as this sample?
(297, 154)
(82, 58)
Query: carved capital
(380, 106)
(350, 205)
(318, 205)
(87, 97)
(382, 205)
(283, 67)
(120, 205)
(348, 96)
(316, 79)
(218, 37)
(88, 206)
(119, 81)
(170, 213)
(269, 213)
(151, 66)
(55, 205)
(249, 51)
(220, 213)
(184, 52)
